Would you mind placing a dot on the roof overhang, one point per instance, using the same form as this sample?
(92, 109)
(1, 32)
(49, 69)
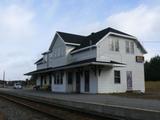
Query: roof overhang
(39, 60)
(46, 52)
(108, 64)
(97, 63)
(82, 49)
(73, 44)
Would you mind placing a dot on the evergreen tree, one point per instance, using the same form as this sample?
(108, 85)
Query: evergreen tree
(152, 69)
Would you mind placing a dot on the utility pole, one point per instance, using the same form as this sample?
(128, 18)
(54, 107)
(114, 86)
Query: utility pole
(3, 78)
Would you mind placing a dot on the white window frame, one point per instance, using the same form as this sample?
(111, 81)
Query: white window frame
(58, 79)
(117, 45)
(114, 45)
(55, 53)
(117, 77)
(127, 47)
(130, 47)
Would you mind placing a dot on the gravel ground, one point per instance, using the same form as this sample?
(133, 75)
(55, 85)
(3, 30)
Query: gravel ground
(12, 111)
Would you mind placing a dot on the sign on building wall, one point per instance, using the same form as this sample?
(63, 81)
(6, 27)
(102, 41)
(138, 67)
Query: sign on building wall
(139, 59)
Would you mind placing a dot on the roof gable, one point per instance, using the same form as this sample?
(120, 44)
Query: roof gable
(71, 38)
(89, 40)
(56, 37)
(85, 41)
(39, 61)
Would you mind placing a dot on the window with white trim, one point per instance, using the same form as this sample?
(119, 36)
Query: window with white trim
(117, 76)
(55, 53)
(127, 46)
(58, 78)
(59, 52)
(114, 46)
(130, 47)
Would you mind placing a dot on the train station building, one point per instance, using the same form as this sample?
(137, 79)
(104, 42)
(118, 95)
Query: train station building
(107, 61)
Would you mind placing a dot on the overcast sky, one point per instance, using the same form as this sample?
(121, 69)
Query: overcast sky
(27, 27)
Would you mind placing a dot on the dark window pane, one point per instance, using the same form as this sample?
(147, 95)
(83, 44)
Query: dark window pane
(86, 75)
(45, 81)
(61, 78)
(70, 77)
(55, 79)
(50, 79)
(58, 79)
(117, 76)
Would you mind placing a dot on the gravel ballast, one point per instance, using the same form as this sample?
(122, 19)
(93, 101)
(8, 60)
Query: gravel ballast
(13, 111)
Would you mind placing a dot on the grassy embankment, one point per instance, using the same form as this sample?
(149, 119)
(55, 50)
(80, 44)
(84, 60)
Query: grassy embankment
(152, 86)
(152, 91)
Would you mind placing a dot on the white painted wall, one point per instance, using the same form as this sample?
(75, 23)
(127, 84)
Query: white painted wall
(41, 66)
(67, 57)
(59, 87)
(105, 54)
(106, 81)
(83, 55)
(69, 87)
(93, 83)
(55, 61)
(38, 81)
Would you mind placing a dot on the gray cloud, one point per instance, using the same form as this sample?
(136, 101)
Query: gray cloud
(26, 32)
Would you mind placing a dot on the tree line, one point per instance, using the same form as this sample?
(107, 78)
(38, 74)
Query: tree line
(152, 69)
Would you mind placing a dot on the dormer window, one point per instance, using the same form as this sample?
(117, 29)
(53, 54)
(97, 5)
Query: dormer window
(114, 45)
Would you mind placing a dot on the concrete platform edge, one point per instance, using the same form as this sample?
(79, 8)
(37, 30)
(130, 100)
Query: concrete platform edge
(120, 112)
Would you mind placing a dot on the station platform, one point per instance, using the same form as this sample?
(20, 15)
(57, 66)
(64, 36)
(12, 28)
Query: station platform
(103, 103)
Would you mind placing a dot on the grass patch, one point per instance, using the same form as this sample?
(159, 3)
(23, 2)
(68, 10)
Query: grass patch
(152, 86)
(152, 91)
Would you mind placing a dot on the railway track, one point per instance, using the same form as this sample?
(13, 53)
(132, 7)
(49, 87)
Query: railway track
(54, 111)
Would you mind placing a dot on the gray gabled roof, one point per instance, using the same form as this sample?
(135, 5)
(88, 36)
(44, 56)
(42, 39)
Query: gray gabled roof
(93, 38)
(71, 38)
(38, 61)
